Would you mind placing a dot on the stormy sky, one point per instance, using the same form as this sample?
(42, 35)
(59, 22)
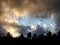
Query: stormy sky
(27, 14)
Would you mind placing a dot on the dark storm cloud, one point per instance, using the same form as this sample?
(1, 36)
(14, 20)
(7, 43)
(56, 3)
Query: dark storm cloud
(58, 19)
(49, 5)
(2, 31)
(35, 5)
(38, 5)
(0, 7)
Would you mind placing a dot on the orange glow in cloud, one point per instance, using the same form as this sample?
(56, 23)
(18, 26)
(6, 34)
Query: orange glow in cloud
(19, 13)
(9, 17)
(13, 32)
(9, 14)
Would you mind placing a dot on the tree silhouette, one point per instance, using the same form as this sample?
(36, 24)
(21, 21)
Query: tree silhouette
(54, 36)
(59, 34)
(21, 37)
(8, 35)
(29, 35)
(34, 36)
(49, 35)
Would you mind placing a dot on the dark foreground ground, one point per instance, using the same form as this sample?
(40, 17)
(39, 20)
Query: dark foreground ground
(30, 40)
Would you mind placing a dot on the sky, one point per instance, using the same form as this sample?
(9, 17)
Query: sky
(18, 14)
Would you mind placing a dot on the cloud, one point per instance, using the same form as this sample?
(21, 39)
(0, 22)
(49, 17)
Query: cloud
(33, 27)
(42, 7)
(45, 26)
(35, 5)
(39, 9)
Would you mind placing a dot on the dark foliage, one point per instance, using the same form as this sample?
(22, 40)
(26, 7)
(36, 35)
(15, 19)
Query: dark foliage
(29, 37)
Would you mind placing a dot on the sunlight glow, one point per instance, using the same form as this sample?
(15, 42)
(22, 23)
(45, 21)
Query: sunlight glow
(45, 26)
(13, 32)
(33, 27)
